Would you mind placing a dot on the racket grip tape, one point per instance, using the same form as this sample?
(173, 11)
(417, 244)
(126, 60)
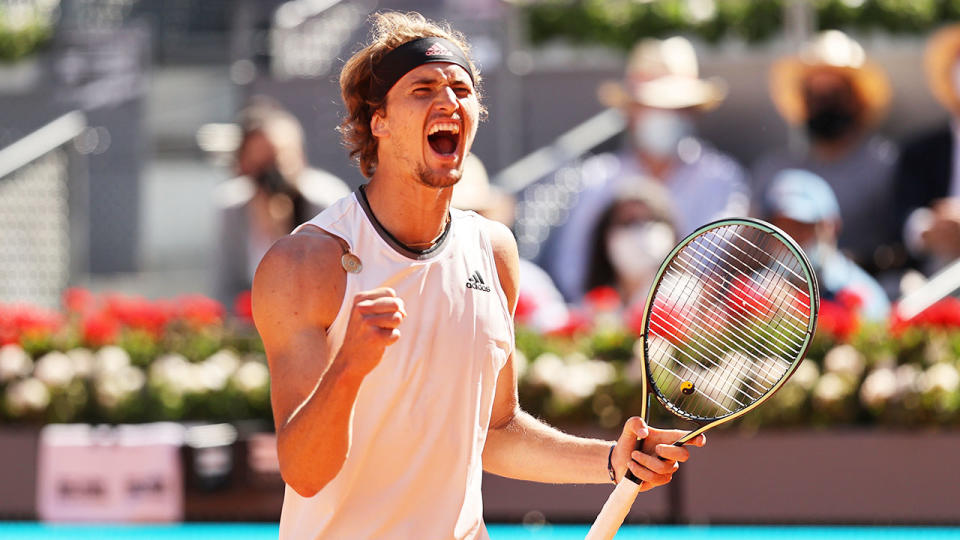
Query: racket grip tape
(630, 476)
(614, 511)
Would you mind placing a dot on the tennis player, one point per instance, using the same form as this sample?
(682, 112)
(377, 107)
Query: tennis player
(388, 324)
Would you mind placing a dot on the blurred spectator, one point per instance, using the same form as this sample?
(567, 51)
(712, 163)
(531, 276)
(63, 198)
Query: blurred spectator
(928, 173)
(275, 191)
(662, 95)
(540, 304)
(634, 235)
(837, 97)
(803, 205)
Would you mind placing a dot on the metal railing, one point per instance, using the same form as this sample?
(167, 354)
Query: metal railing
(548, 181)
(42, 212)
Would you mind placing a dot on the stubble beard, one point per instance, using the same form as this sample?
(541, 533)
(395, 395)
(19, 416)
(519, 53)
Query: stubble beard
(431, 179)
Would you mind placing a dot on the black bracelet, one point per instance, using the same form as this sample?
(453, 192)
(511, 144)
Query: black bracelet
(613, 475)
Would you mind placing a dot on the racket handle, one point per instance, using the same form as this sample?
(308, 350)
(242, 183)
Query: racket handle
(630, 476)
(614, 511)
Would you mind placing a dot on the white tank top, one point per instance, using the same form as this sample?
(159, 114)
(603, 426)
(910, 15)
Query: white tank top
(421, 417)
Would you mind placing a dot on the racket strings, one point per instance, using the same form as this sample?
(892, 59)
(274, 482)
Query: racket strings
(736, 275)
(718, 289)
(752, 365)
(719, 352)
(750, 269)
(717, 363)
(717, 295)
(787, 331)
(737, 306)
(783, 281)
(712, 368)
(678, 376)
(763, 373)
(762, 350)
(778, 260)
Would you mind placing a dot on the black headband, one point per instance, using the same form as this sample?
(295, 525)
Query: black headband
(400, 61)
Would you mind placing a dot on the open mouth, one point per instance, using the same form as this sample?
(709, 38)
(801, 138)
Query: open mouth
(444, 138)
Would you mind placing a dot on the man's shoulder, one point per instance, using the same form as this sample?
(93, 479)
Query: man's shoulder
(310, 250)
(302, 269)
(505, 255)
(500, 235)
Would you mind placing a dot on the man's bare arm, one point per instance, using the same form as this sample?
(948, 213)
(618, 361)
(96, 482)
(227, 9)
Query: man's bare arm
(297, 292)
(520, 446)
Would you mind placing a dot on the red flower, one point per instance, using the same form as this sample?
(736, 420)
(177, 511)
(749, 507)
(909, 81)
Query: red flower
(602, 299)
(243, 306)
(79, 300)
(747, 298)
(944, 314)
(577, 323)
(634, 319)
(669, 321)
(849, 299)
(8, 332)
(837, 320)
(139, 313)
(34, 319)
(100, 329)
(800, 305)
(198, 310)
(21, 321)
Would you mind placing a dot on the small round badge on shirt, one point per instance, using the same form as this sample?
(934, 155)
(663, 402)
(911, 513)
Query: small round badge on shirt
(351, 263)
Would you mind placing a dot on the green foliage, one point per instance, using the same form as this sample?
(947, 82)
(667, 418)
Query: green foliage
(620, 23)
(842, 382)
(21, 38)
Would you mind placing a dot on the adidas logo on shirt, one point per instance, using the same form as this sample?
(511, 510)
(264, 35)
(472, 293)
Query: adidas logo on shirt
(476, 282)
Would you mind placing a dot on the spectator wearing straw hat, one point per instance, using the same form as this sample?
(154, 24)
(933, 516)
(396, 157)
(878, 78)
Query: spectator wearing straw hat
(837, 97)
(803, 205)
(928, 173)
(662, 94)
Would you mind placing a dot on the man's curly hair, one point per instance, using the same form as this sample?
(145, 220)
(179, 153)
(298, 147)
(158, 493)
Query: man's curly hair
(390, 30)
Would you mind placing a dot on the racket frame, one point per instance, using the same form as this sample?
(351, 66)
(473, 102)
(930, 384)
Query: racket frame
(813, 291)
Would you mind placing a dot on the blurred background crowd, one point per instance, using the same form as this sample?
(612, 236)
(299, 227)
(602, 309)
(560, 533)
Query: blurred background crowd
(152, 150)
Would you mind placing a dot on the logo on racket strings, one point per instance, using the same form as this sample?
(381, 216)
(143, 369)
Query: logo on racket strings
(476, 282)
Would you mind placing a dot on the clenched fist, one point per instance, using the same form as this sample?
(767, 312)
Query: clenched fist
(374, 324)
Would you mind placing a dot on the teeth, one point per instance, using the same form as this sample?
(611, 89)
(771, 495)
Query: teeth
(452, 127)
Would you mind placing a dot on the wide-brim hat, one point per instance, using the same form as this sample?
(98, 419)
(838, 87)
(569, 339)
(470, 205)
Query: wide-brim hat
(834, 51)
(943, 48)
(663, 74)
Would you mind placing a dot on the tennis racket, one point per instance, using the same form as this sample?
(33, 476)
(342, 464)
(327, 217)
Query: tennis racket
(728, 319)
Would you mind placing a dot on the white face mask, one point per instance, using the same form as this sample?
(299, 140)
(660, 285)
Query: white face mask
(636, 251)
(658, 132)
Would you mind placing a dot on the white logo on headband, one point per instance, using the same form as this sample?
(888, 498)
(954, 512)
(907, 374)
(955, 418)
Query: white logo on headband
(438, 50)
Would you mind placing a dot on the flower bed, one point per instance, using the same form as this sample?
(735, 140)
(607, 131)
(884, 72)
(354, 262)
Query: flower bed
(114, 359)
(900, 373)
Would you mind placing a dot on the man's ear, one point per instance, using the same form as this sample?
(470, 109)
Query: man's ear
(378, 125)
